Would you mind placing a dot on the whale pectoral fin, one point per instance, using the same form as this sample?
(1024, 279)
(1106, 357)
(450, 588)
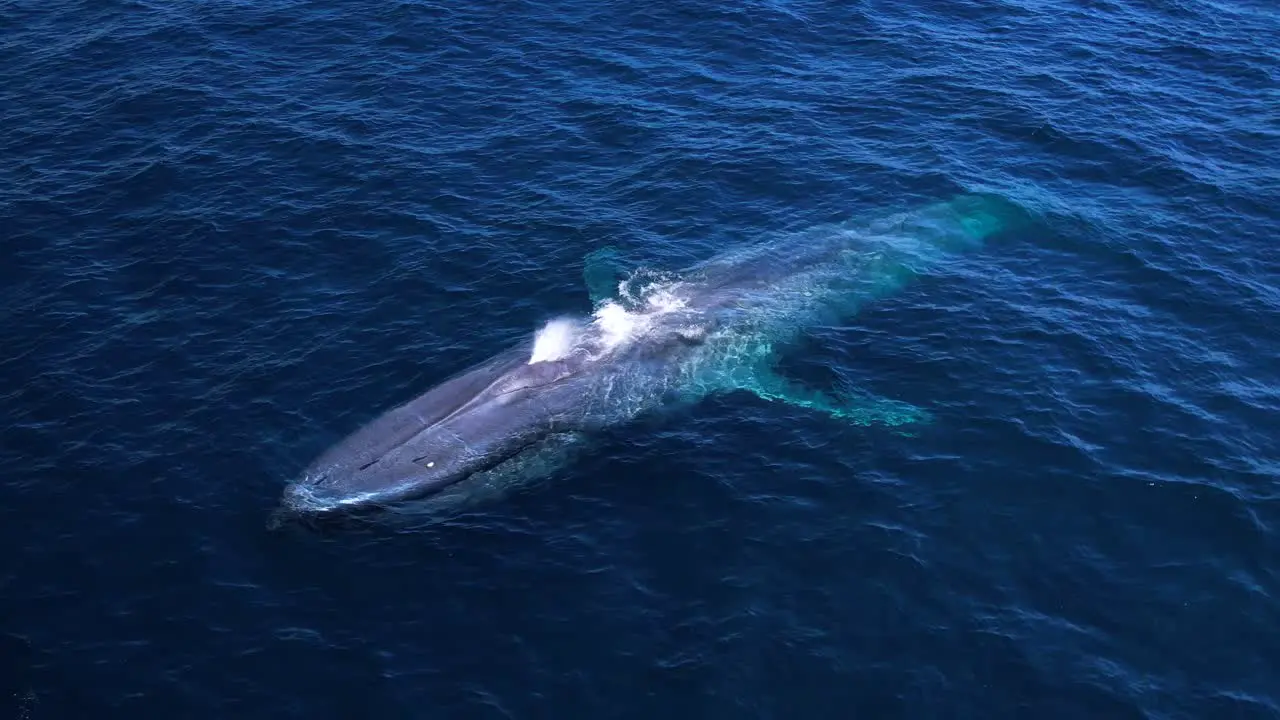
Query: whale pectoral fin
(557, 452)
(858, 407)
(537, 463)
(601, 270)
(866, 408)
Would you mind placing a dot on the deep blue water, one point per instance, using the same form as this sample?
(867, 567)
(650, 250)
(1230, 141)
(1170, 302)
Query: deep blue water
(233, 231)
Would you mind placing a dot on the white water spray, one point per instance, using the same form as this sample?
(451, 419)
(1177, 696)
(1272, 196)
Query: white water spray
(612, 325)
(554, 341)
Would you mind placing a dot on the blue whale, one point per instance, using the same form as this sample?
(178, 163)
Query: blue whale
(654, 339)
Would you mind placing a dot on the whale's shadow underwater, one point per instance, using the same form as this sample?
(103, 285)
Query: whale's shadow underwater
(655, 340)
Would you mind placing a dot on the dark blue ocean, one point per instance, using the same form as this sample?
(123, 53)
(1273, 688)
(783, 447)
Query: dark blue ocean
(234, 231)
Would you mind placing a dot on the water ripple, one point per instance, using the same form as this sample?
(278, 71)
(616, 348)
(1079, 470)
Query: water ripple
(235, 230)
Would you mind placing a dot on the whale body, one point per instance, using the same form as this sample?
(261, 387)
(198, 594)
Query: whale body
(654, 339)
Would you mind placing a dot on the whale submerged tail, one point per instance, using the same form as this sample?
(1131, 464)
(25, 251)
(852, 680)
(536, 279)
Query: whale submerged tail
(962, 223)
(826, 274)
(914, 242)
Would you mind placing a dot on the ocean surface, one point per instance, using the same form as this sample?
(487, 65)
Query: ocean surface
(234, 231)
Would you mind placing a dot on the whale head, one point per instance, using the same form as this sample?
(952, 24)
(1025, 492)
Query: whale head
(465, 425)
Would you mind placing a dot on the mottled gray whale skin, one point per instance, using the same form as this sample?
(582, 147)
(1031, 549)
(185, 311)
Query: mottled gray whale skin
(457, 428)
(653, 340)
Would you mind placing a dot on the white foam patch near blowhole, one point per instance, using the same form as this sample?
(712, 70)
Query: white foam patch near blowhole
(618, 326)
(665, 300)
(611, 326)
(615, 323)
(554, 341)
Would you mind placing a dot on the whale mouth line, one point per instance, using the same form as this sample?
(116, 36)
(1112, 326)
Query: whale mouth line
(302, 501)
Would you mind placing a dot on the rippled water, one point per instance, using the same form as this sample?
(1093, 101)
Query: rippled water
(234, 231)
